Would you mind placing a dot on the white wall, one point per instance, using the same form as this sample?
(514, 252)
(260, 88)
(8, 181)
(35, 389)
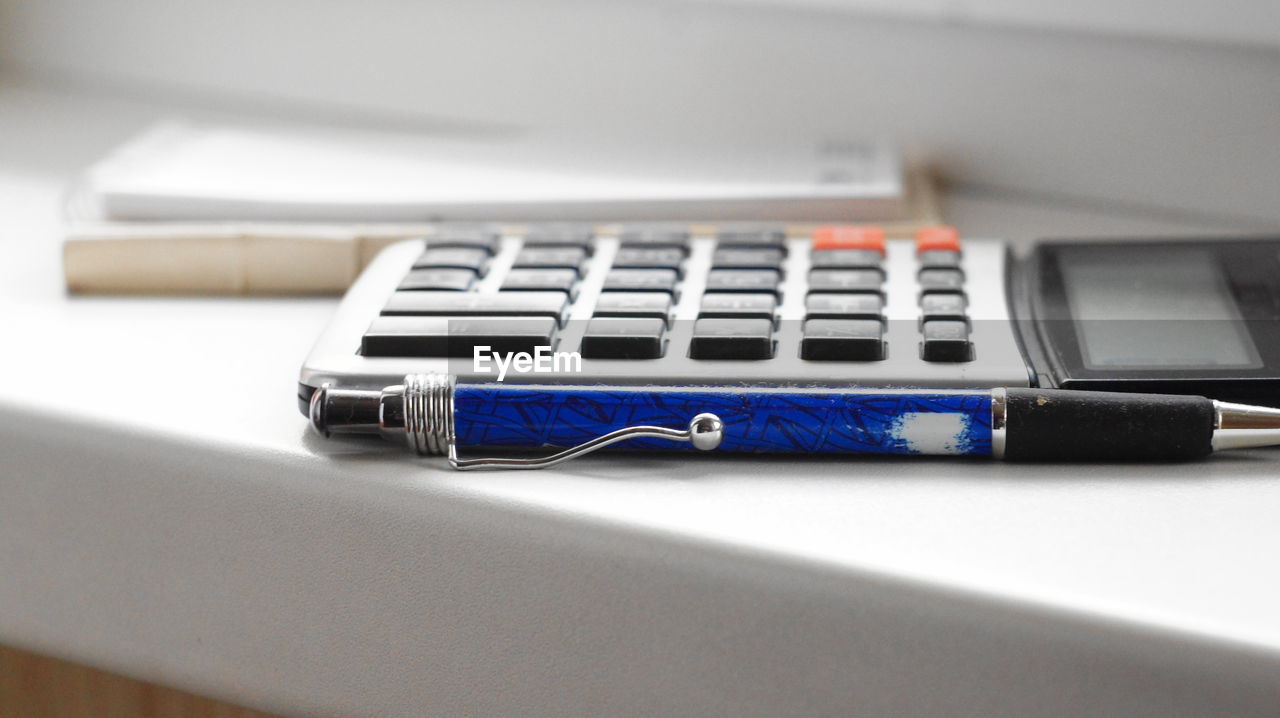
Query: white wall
(1189, 127)
(1244, 22)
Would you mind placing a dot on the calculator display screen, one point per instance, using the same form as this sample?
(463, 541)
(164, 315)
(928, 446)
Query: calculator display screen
(1135, 308)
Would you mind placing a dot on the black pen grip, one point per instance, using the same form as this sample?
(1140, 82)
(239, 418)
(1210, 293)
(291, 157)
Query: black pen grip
(1058, 425)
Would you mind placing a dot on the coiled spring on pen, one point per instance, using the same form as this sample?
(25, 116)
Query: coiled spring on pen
(428, 413)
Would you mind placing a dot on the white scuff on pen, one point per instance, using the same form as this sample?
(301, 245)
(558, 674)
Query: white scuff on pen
(932, 432)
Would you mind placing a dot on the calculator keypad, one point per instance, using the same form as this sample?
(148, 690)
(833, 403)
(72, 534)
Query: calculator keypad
(940, 237)
(677, 238)
(941, 280)
(849, 237)
(648, 258)
(623, 338)
(732, 339)
(864, 305)
(846, 259)
(471, 304)
(944, 324)
(753, 239)
(743, 258)
(558, 237)
(845, 280)
(743, 280)
(551, 258)
(475, 259)
(634, 304)
(842, 340)
(555, 280)
(641, 280)
(484, 239)
(418, 336)
(757, 297)
(940, 259)
(946, 340)
(457, 280)
(735, 305)
(943, 305)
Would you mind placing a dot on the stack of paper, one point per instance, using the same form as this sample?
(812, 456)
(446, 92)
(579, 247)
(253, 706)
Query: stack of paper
(187, 208)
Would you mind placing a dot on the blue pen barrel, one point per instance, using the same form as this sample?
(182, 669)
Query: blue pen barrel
(755, 420)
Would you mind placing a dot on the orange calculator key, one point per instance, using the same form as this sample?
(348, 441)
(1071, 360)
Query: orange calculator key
(849, 237)
(940, 236)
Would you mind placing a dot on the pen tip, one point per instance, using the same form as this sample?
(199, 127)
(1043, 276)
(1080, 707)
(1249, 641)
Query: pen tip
(1242, 426)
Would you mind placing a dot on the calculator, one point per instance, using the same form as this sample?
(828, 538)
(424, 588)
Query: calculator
(838, 306)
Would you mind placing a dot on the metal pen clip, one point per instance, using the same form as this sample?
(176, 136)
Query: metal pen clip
(420, 412)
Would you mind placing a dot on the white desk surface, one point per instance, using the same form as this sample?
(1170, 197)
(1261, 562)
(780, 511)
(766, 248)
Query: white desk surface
(165, 514)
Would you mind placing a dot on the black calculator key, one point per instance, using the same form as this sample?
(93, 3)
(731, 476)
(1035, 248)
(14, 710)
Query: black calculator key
(842, 340)
(554, 280)
(845, 280)
(864, 305)
(648, 258)
(846, 259)
(551, 258)
(623, 338)
(677, 238)
(753, 238)
(566, 237)
(740, 258)
(940, 259)
(640, 280)
(730, 305)
(943, 305)
(941, 280)
(634, 304)
(502, 304)
(743, 280)
(946, 340)
(456, 280)
(477, 260)
(485, 239)
(455, 337)
(732, 339)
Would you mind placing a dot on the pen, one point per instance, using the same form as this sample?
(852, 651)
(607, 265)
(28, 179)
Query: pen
(435, 415)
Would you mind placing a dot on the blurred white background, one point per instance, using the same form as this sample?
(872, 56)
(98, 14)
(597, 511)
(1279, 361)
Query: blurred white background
(226, 554)
(1237, 21)
(1136, 105)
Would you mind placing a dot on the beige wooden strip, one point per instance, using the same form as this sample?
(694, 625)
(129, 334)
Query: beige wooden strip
(35, 686)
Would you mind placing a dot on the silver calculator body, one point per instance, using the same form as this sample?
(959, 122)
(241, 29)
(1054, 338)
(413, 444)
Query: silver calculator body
(806, 340)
